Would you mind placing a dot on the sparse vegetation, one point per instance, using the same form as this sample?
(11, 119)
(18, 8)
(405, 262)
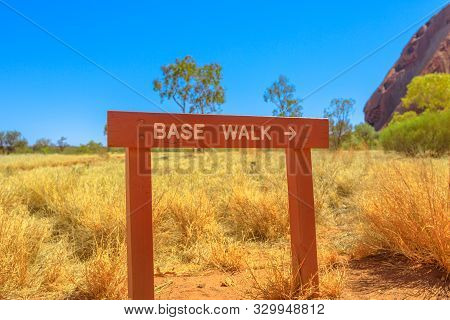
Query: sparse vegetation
(62, 219)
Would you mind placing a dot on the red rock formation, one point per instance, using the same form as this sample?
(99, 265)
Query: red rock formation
(427, 52)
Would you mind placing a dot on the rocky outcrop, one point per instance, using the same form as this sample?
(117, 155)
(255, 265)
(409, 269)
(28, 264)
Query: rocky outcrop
(427, 52)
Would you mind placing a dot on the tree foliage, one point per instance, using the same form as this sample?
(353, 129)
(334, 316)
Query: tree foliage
(428, 132)
(10, 141)
(2, 142)
(398, 117)
(42, 145)
(281, 94)
(62, 143)
(92, 147)
(338, 114)
(428, 92)
(14, 142)
(363, 137)
(194, 88)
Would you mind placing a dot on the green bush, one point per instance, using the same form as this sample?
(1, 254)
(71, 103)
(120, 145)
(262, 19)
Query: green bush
(428, 92)
(363, 137)
(428, 132)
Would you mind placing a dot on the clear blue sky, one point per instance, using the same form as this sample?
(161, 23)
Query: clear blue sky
(48, 91)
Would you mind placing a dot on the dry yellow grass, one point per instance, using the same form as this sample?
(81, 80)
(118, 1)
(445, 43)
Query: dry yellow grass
(406, 210)
(258, 212)
(14, 162)
(33, 265)
(276, 281)
(62, 221)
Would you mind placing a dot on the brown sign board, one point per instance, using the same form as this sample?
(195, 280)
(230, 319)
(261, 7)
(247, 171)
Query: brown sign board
(214, 131)
(140, 132)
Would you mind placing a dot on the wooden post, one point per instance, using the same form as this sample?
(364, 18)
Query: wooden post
(139, 229)
(302, 217)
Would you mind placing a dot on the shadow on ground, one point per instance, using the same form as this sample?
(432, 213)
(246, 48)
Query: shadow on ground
(384, 276)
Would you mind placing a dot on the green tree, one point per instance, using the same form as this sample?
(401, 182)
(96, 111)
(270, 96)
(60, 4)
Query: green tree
(194, 88)
(42, 145)
(62, 144)
(365, 134)
(428, 92)
(428, 132)
(13, 140)
(2, 142)
(92, 147)
(281, 94)
(338, 113)
(398, 117)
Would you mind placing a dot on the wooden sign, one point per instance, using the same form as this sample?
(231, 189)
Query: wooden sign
(139, 132)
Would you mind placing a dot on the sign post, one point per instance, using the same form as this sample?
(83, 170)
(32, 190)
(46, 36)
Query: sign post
(140, 132)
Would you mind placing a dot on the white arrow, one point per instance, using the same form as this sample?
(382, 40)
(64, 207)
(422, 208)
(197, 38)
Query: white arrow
(290, 133)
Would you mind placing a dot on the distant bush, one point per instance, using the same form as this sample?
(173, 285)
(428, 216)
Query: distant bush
(363, 137)
(91, 147)
(12, 141)
(428, 132)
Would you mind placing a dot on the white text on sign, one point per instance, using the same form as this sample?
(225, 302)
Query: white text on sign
(231, 132)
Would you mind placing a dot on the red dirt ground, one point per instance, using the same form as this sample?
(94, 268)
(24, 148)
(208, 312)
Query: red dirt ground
(375, 277)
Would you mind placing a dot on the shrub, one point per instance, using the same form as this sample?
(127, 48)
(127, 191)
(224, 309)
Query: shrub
(258, 213)
(32, 264)
(363, 137)
(193, 219)
(104, 276)
(428, 132)
(405, 211)
(429, 92)
(226, 256)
